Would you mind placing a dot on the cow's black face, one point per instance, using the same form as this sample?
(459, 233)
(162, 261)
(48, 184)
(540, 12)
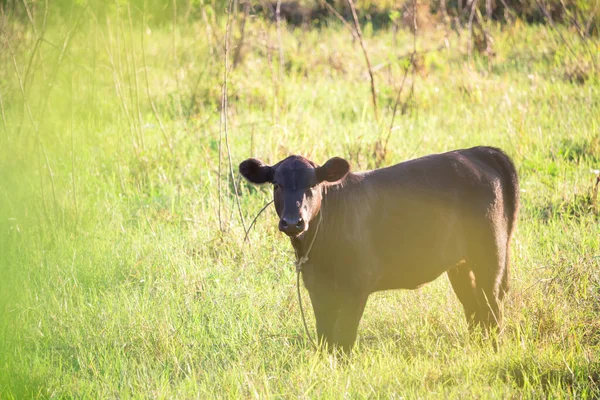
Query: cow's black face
(296, 193)
(297, 190)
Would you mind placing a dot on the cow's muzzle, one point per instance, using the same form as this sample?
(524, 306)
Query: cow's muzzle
(292, 226)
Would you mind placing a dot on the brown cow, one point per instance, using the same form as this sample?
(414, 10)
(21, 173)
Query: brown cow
(397, 227)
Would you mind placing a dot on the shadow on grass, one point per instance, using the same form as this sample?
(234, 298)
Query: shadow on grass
(372, 342)
(578, 379)
(578, 150)
(580, 206)
(19, 385)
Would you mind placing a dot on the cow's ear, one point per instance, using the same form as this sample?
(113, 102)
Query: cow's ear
(256, 171)
(335, 169)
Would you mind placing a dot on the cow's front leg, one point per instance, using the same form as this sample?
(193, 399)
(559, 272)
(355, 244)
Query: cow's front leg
(325, 307)
(351, 307)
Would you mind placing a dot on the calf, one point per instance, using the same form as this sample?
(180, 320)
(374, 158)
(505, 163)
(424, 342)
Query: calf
(396, 227)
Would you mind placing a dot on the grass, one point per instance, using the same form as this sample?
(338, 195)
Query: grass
(119, 280)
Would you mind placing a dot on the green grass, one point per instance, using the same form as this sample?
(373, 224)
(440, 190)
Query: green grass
(118, 280)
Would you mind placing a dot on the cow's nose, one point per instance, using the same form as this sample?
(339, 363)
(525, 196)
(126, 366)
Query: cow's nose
(291, 225)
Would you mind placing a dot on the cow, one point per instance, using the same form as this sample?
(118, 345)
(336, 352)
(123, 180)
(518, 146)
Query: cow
(396, 228)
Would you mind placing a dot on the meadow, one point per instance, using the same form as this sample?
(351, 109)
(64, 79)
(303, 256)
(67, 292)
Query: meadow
(123, 266)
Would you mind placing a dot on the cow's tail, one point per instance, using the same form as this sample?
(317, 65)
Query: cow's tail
(510, 194)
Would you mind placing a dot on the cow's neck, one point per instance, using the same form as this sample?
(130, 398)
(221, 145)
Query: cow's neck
(333, 205)
(303, 246)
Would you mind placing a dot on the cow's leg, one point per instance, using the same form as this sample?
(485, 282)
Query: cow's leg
(463, 282)
(504, 284)
(325, 307)
(489, 269)
(351, 308)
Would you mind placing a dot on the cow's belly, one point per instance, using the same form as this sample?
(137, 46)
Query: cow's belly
(411, 277)
(407, 263)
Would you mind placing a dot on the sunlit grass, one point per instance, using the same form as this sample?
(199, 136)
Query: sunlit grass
(118, 279)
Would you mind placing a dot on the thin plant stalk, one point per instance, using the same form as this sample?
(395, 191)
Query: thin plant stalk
(73, 149)
(154, 110)
(470, 47)
(108, 43)
(367, 60)
(62, 55)
(3, 116)
(339, 17)
(410, 65)
(562, 38)
(39, 139)
(398, 96)
(279, 40)
(224, 119)
(357, 34)
(27, 106)
(40, 38)
(175, 59)
(135, 80)
(129, 71)
(238, 49)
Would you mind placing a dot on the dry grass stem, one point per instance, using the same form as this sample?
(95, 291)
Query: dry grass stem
(2, 113)
(154, 110)
(279, 40)
(367, 60)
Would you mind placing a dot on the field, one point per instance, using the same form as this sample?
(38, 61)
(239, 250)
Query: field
(123, 266)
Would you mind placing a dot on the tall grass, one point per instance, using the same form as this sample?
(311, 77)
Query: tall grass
(119, 280)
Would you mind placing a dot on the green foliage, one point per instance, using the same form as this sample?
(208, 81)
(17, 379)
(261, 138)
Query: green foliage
(124, 271)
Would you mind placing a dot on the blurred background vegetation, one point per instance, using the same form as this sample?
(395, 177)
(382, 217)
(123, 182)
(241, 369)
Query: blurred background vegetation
(582, 14)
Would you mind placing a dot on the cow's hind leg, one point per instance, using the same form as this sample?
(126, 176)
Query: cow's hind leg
(504, 284)
(489, 265)
(463, 282)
